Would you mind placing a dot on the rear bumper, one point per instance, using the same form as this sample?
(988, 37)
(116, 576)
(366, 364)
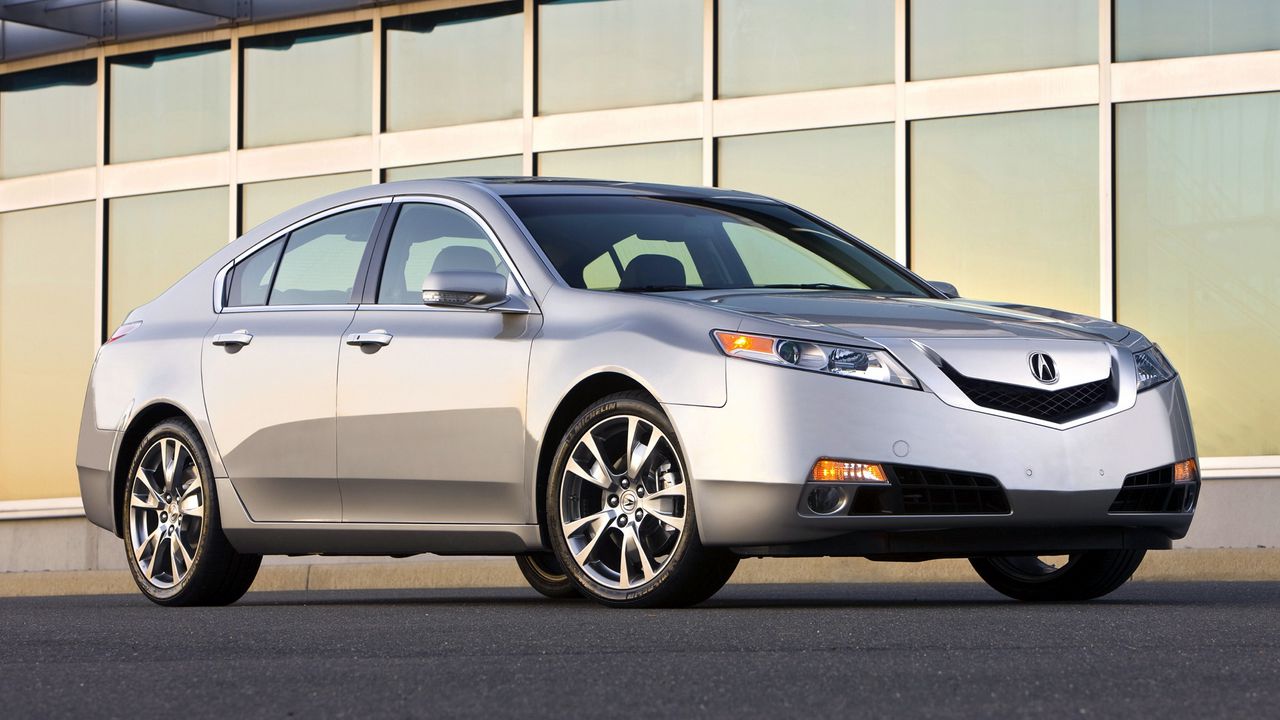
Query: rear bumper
(749, 462)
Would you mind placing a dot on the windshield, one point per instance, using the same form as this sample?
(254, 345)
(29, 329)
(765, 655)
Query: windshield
(663, 244)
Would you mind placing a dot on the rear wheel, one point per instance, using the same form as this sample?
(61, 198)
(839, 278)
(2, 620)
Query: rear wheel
(173, 538)
(545, 575)
(1081, 576)
(620, 512)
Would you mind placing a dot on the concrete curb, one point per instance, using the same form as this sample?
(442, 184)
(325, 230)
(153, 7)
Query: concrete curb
(1215, 565)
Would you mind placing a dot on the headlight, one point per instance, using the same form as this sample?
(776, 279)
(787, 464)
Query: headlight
(1153, 368)
(861, 363)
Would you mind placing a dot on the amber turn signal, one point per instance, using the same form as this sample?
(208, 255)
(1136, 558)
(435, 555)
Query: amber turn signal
(1186, 471)
(828, 470)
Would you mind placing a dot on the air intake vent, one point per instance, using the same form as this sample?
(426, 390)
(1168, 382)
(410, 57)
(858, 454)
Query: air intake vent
(1057, 406)
(1154, 491)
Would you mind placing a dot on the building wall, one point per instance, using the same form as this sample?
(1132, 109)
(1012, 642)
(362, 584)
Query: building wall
(1122, 162)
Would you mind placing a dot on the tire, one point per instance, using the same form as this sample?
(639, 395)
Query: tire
(544, 574)
(1085, 576)
(622, 523)
(173, 540)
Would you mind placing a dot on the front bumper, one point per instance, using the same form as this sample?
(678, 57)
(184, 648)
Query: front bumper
(750, 460)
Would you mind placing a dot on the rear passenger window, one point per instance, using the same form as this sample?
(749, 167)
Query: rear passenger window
(251, 278)
(321, 260)
(433, 238)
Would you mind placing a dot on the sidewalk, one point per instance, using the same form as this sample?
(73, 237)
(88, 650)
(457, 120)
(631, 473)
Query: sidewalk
(1216, 565)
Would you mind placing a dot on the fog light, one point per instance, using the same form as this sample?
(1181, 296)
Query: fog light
(1186, 471)
(828, 470)
(827, 500)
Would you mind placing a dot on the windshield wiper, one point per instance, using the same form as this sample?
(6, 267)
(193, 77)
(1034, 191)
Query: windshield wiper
(660, 288)
(810, 286)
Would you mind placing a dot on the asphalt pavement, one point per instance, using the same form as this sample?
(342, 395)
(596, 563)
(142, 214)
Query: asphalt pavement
(1195, 650)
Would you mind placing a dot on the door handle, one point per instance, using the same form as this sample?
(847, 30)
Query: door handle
(239, 338)
(373, 337)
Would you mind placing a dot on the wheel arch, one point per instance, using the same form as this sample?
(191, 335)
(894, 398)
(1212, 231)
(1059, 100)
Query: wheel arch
(137, 428)
(580, 397)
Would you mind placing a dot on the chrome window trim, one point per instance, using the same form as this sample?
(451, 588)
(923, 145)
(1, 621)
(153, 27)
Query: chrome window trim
(220, 279)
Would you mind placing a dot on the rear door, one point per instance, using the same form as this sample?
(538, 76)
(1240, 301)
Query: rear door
(271, 360)
(431, 417)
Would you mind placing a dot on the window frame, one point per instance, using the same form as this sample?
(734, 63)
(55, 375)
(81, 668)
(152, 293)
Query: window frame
(222, 280)
(378, 260)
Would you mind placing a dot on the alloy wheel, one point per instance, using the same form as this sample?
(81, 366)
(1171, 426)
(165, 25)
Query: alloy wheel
(623, 502)
(166, 513)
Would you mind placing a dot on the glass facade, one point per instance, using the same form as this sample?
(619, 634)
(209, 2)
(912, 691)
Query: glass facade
(48, 120)
(502, 165)
(976, 37)
(1006, 206)
(618, 53)
(844, 175)
(454, 67)
(1153, 29)
(264, 200)
(1197, 223)
(678, 163)
(310, 85)
(46, 283)
(167, 103)
(845, 43)
(152, 240)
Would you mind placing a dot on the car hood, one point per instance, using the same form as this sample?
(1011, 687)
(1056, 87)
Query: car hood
(877, 316)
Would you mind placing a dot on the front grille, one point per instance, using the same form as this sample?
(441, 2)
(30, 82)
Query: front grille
(1154, 491)
(926, 491)
(1057, 406)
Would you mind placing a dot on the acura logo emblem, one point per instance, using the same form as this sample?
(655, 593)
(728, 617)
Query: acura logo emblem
(1043, 368)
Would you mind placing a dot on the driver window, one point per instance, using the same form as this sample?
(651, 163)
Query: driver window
(433, 238)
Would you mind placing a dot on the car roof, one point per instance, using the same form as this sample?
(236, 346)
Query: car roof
(507, 186)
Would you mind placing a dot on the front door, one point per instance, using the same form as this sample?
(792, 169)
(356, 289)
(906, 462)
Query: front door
(270, 366)
(431, 401)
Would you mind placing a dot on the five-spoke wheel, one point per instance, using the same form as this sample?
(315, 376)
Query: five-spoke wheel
(166, 510)
(175, 546)
(622, 512)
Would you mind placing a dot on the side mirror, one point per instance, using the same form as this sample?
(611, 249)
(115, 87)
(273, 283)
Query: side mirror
(470, 289)
(945, 288)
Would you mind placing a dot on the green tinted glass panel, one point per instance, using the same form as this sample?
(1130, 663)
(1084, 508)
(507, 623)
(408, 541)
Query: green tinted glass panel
(454, 67)
(264, 200)
(307, 86)
(155, 239)
(678, 163)
(499, 166)
(170, 103)
(46, 288)
(1006, 206)
(778, 46)
(1197, 223)
(844, 175)
(1151, 29)
(596, 54)
(48, 120)
(950, 38)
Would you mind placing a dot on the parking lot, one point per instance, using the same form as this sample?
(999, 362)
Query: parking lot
(939, 650)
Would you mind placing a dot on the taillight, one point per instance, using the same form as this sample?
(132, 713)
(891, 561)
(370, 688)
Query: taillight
(123, 330)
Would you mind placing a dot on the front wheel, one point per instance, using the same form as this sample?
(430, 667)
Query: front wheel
(172, 533)
(1082, 576)
(620, 512)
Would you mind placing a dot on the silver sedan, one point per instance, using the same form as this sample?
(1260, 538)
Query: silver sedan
(627, 388)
